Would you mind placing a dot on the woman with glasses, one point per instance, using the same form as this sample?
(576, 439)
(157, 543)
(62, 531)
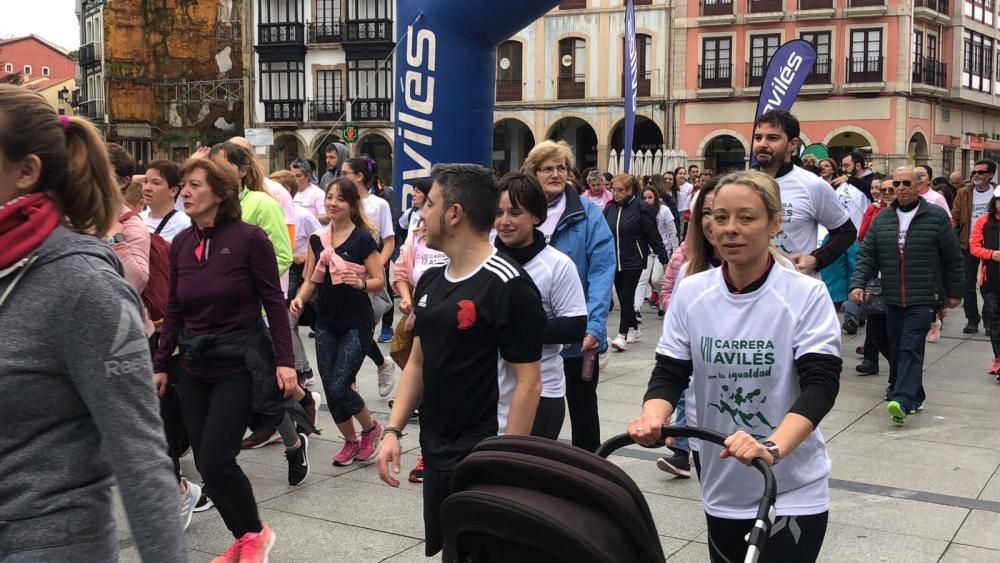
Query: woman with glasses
(633, 225)
(877, 333)
(575, 227)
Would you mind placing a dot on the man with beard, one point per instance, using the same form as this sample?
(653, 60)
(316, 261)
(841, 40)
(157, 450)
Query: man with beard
(971, 202)
(807, 201)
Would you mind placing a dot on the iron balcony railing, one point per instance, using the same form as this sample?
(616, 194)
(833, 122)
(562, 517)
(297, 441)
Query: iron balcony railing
(326, 32)
(371, 109)
(280, 34)
(820, 73)
(283, 110)
(715, 75)
(509, 90)
(326, 110)
(377, 30)
(864, 69)
(572, 87)
(930, 72)
(717, 7)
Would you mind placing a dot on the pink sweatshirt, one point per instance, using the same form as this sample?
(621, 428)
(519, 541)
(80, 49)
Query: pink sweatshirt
(134, 254)
(414, 259)
(677, 259)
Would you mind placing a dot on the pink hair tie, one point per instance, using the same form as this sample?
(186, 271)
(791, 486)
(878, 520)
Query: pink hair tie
(64, 119)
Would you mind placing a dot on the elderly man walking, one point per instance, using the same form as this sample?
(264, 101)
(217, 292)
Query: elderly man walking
(915, 248)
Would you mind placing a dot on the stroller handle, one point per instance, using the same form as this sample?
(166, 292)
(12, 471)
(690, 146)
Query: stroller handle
(765, 512)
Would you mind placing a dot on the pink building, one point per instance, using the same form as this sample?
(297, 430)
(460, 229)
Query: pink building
(33, 58)
(902, 81)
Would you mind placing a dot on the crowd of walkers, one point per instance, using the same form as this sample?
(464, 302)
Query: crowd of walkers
(164, 312)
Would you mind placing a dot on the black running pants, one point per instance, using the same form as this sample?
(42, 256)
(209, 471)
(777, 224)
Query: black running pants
(217, 412)
(625, 283)
(877, 339)
(549, 417)
(581, 398)
(794, 539)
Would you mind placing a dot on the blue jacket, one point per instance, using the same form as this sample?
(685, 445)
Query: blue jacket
(583, 234)
(837, 275)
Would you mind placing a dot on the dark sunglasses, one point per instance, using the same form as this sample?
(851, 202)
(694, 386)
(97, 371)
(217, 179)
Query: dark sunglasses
(889, 191)
(974, 172)
(897, 183)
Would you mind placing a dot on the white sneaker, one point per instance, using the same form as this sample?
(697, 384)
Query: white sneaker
(619, 343)
(386, 379)
(189, 498)
(634, 334)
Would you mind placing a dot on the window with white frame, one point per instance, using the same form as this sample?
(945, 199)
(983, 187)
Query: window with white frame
(27, 70)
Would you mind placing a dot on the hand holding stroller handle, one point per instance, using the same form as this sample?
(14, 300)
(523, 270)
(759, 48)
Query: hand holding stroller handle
(765, 512)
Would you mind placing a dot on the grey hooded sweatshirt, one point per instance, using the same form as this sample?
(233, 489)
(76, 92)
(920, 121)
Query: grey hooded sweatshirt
(79, 411)
(331, 175)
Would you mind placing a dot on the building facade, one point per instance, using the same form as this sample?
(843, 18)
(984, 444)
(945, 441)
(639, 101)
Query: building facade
(41, 66)
(320, 65)
(162, 77)
(562, 77)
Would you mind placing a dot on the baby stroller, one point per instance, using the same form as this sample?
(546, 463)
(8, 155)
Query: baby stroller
(531, 500)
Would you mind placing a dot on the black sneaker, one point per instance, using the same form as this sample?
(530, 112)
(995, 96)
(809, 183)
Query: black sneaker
(298, 462)
(661, 313)
(676, 464)
(204, 502)
(888, 393)
(971, 328)
(860, 350)
(867, 368)
(850, 327)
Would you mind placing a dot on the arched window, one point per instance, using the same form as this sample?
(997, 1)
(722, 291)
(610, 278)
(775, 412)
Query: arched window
(45, 71)
(509, 66)
(27, 70)
(572, 68)
(8, 67)
(644, 50)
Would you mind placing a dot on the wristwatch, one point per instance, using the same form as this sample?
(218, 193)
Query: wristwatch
(774, 450)
(117, 238)
(392, 430)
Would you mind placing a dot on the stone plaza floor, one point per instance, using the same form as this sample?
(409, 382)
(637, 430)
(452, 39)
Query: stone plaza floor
(928, 491)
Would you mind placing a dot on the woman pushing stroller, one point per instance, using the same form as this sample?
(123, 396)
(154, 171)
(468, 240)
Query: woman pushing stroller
(759, 344)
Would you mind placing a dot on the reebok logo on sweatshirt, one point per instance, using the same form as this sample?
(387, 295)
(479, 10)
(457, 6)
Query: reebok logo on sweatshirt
(127, 343)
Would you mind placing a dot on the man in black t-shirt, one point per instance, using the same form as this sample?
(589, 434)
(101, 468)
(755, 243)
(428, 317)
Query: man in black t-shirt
(471, 312)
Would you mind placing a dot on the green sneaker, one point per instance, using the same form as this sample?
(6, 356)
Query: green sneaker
(896, 412)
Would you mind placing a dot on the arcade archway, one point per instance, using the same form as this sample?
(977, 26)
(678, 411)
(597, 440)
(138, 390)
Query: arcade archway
(512, 140)
(725, 153)
(285, 151)
(379, 149)
(581, 138)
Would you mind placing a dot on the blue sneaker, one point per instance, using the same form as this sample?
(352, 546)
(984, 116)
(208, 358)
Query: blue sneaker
(386, 335)
(896, 411)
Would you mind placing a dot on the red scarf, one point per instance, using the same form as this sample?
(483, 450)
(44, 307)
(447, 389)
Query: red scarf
(24, 223)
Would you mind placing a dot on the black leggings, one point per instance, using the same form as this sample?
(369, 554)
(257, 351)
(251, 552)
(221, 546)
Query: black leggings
(581, 397)
(992, 313)
(217, 412)
(794, 539)
(877, 339)
(173, 419)
(625, 283)
(374, 352)
(549, 417)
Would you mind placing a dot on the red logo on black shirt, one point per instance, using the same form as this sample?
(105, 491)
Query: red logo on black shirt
(466, 314)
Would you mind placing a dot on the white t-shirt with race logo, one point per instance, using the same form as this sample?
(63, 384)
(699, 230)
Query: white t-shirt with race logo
(807, 202)
(854, 202)
(743, 349)
(905, 218)
(380, 214)
(558, 282)
(980, 201)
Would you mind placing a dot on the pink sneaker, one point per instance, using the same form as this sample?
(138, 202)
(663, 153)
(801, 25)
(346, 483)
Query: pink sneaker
(934, 334)
(369, 442)
(995, 368)
(347, 454)
(252, 548)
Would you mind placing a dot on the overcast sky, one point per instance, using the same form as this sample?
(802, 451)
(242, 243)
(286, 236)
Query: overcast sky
(54, 20)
